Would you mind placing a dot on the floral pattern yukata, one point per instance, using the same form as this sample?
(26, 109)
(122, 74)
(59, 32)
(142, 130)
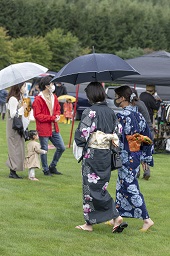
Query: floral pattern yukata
(129, 200)
(98, 205)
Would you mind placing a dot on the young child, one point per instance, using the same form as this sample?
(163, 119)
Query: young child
(68, 109)
(32, 160)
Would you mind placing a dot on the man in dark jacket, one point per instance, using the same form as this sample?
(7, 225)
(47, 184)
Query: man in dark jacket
(151, 104)
(60, 89)
(149, 100)
(144, 111)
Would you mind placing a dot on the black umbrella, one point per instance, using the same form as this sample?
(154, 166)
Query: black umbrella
(94, 67)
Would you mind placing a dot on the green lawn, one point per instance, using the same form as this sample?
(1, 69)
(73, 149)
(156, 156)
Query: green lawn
(39, 218)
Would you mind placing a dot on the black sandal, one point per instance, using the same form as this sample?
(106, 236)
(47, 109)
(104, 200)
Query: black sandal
(120, 228)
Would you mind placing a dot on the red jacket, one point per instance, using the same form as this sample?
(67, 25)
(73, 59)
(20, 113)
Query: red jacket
(42, 115)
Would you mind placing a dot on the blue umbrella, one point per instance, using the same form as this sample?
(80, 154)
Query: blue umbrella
(95, 67)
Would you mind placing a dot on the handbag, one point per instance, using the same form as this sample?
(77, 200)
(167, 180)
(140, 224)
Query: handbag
(17, 124)
(77, 151)
(116, 161)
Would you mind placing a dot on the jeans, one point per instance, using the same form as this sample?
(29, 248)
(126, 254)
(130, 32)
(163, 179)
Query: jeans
(58, 142)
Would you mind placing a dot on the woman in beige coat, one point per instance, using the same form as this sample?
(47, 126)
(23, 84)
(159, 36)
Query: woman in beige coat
(32, 160)
(15, 139)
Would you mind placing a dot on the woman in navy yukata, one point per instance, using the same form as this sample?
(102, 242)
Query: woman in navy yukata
(97, 128)
(129, 200)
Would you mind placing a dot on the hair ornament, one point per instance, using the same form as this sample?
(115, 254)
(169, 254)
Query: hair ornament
(132, 96)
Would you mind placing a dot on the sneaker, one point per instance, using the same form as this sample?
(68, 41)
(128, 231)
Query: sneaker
(48, 173)
(54, 170)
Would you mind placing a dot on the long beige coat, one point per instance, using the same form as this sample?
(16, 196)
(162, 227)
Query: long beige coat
(32, 158)
(16, 147)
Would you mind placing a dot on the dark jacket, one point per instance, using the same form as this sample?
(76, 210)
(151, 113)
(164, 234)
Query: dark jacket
(150, 102)
(144, 111)
(60, 90)
(3, 96)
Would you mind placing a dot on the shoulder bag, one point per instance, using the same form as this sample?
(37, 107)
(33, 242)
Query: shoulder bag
(17, 124)
(116, 161)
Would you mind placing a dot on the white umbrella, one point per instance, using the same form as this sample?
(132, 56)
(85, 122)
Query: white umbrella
(19, 73)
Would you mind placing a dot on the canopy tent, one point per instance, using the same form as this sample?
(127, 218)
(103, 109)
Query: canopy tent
(154, 69)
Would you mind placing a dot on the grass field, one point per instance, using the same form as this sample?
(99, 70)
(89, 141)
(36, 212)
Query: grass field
(39, 218)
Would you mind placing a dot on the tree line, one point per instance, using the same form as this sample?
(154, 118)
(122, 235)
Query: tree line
(54, 32)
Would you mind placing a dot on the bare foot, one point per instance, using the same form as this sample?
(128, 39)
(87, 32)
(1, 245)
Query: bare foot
(147, 224)
(85, 227)
(33, 178)
(118, 221)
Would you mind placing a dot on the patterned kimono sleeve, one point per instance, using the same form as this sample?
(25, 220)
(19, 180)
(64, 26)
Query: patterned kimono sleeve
(147, 149)
(125, 122)
(86, 126)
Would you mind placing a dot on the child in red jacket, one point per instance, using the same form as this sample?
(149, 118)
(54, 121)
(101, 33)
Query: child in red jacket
(68, 110)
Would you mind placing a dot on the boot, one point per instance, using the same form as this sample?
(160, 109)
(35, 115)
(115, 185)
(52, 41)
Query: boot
(13, 175)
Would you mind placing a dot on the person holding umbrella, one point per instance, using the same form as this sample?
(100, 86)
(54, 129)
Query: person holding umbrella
(95, 133)
(46, 111)
(15, 139)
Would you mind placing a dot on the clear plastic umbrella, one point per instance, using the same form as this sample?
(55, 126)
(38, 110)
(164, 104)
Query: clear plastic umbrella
(19, 73)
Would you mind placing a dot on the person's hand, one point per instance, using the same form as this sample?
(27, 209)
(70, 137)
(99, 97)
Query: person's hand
(158, 98)
(57, 118)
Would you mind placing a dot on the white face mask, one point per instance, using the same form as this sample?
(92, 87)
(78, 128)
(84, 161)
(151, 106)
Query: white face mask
(52, 88)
